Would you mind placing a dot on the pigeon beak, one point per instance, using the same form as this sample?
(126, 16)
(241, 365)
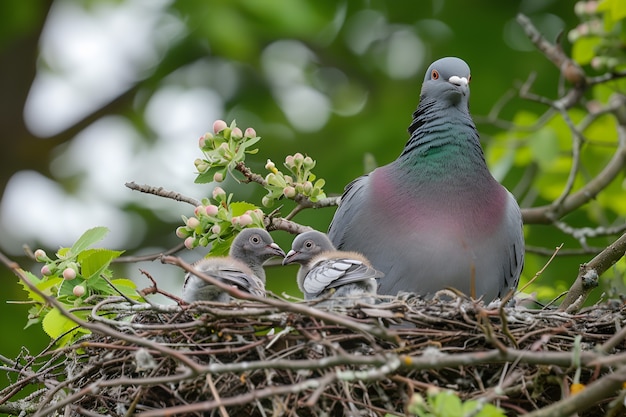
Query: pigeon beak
(276, 250)
(289, 257)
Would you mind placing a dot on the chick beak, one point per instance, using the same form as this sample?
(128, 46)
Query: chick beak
(288, 258)
(276, 250)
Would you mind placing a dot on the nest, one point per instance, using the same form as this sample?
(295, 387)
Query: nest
(292, 359)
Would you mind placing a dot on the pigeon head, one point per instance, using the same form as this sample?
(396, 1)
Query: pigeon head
(447, 79)
(254, 246)
(306, 246)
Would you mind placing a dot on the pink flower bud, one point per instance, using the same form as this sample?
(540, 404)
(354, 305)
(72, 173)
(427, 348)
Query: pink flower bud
(216, 229)
(78, 290)
(308, 162)
(198, 211)
(218, 177)
(250, 133)
(182, 232)
(298, 158)
(46, 271)
(245, 220)
(289, 192)
(193, 222)
(219, 125)
(211, 210)
(69, 273)
(236, 133)
(218, 192)
(289, 160)
(40, 255)
(190, 242)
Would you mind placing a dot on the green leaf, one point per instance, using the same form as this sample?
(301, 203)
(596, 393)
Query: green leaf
(67, 287)
(55, 324)
(36, 281)
(94, 261)
(447, 404)
(584, 49)
(207, 176)
(221, 247)
(240, 207)
(88, 238)
(126, 287)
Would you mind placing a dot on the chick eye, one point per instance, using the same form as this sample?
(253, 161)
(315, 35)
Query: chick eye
(434, 75)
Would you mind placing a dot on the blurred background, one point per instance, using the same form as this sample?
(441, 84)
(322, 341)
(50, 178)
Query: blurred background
(99, 93)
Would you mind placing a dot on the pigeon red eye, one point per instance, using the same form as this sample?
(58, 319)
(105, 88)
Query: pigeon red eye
(434, 75)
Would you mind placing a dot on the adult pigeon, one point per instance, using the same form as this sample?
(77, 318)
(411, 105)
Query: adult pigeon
(243, 268)
(435, 217)
(324, 269)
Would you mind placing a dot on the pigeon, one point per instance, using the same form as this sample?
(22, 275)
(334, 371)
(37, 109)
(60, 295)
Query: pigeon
(435, 217)
(346, 277)
(243, 268)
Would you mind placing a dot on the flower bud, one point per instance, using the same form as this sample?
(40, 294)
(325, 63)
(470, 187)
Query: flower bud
(245, 220)
(289, 161)
(78, 290)
(236, 134)
(257, 216)
(40, 255)
(200, 165)
(69, 273)
(218, 193)
(219, 125)
(270, 166)
(250, 133)
(46, 271)
(298, 158)
(216, 229)
(190, 242)
(289, 192)
(211, 210)
(193, 222)
(222, 150)
(218, 177)
(182, 232)
(307, 187)
(308, 162)
(201, 142)
(199, 210)
(267, 202)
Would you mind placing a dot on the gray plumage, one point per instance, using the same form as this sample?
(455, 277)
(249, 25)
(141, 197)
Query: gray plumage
(323, 269)
(435, 217)
(243, 268)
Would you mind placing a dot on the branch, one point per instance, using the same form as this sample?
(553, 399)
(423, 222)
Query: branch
(594, 392)
(161, 192)
(589, 273)
(568, 68)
